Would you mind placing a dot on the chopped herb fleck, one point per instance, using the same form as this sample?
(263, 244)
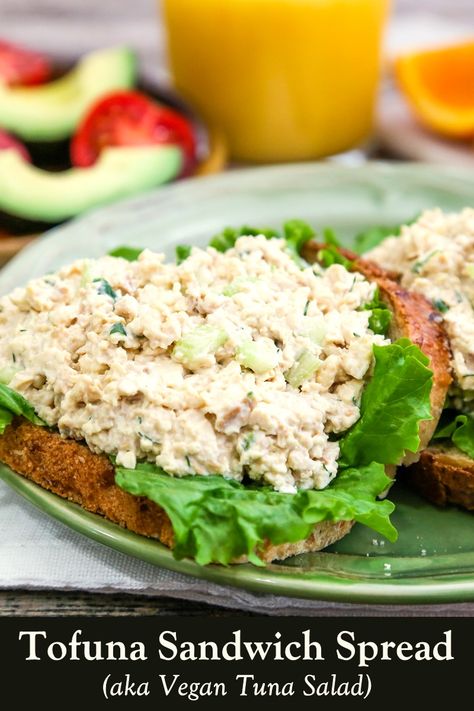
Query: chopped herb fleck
(118, 328)
(418, 265)
(150, 439)
(305, 311)
(248, 441)
(105, 288)
(441, 305)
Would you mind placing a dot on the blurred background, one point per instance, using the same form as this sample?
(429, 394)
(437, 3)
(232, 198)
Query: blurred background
(68, 28)
(248, 82)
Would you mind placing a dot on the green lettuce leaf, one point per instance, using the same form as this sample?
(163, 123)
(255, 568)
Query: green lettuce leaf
(131, 254)
(330, 254)
(394, 402)
(367, 240)
(182, 252)
(459, 429)
(330, 237)
(373, 236)
(5, 418)
(381, 316)
(296, 234)
(217, 520)
(228, 237)
(11, 404)
(379, 320)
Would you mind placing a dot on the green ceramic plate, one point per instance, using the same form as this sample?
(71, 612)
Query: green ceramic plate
(433, 560)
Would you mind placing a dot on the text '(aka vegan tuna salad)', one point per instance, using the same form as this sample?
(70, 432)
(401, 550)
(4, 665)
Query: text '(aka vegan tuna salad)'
(236, 363)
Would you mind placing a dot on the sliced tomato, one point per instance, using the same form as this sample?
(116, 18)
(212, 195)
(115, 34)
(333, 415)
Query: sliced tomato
(129, 118)
(7, 141)
(21, 67)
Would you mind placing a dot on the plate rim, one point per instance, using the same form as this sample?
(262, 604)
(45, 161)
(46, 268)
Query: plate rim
(316, 585)
(221, 183)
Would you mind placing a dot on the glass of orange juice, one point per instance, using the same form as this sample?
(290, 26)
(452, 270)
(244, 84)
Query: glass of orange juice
(284, 79)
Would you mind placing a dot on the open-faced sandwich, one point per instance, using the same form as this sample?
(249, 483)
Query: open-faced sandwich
(240, 404)
(434, 257)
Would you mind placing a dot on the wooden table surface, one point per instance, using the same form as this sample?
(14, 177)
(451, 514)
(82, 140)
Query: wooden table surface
(70, 29)
(49, 604)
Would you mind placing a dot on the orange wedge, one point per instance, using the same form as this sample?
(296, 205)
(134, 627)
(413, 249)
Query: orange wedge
(439, 86)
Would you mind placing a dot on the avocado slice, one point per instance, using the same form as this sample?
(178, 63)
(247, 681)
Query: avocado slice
(51, 112)
(35, 194)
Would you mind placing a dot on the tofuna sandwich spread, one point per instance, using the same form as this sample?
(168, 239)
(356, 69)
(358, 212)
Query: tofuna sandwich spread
(241, 403)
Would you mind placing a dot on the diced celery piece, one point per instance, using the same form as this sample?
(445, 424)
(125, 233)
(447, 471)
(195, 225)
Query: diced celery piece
(7, 374)
(470, 270)
(315, 329)
(304, 368)
(260, 356)
(193, 347)
(86, 276)
(235, 286)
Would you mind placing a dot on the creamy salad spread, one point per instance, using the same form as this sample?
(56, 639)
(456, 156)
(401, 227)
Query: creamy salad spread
(237, 364)
(435, 256)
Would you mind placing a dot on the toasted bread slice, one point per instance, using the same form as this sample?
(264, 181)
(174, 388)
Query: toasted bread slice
(71, 470)
(444, 475)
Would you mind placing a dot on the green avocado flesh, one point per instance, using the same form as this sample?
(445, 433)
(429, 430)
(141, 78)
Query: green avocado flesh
(35, 194)
(51, 112)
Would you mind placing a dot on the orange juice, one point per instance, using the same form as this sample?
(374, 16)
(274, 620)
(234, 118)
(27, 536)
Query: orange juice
(284, 79)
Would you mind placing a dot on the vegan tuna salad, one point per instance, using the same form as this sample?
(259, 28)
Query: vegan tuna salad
(225, 363)
(434, 256)
(253, 397)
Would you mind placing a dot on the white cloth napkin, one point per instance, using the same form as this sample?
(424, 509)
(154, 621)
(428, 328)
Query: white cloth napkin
(39, 553)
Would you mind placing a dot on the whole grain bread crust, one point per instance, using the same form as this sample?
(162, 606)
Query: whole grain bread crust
(443, 475)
